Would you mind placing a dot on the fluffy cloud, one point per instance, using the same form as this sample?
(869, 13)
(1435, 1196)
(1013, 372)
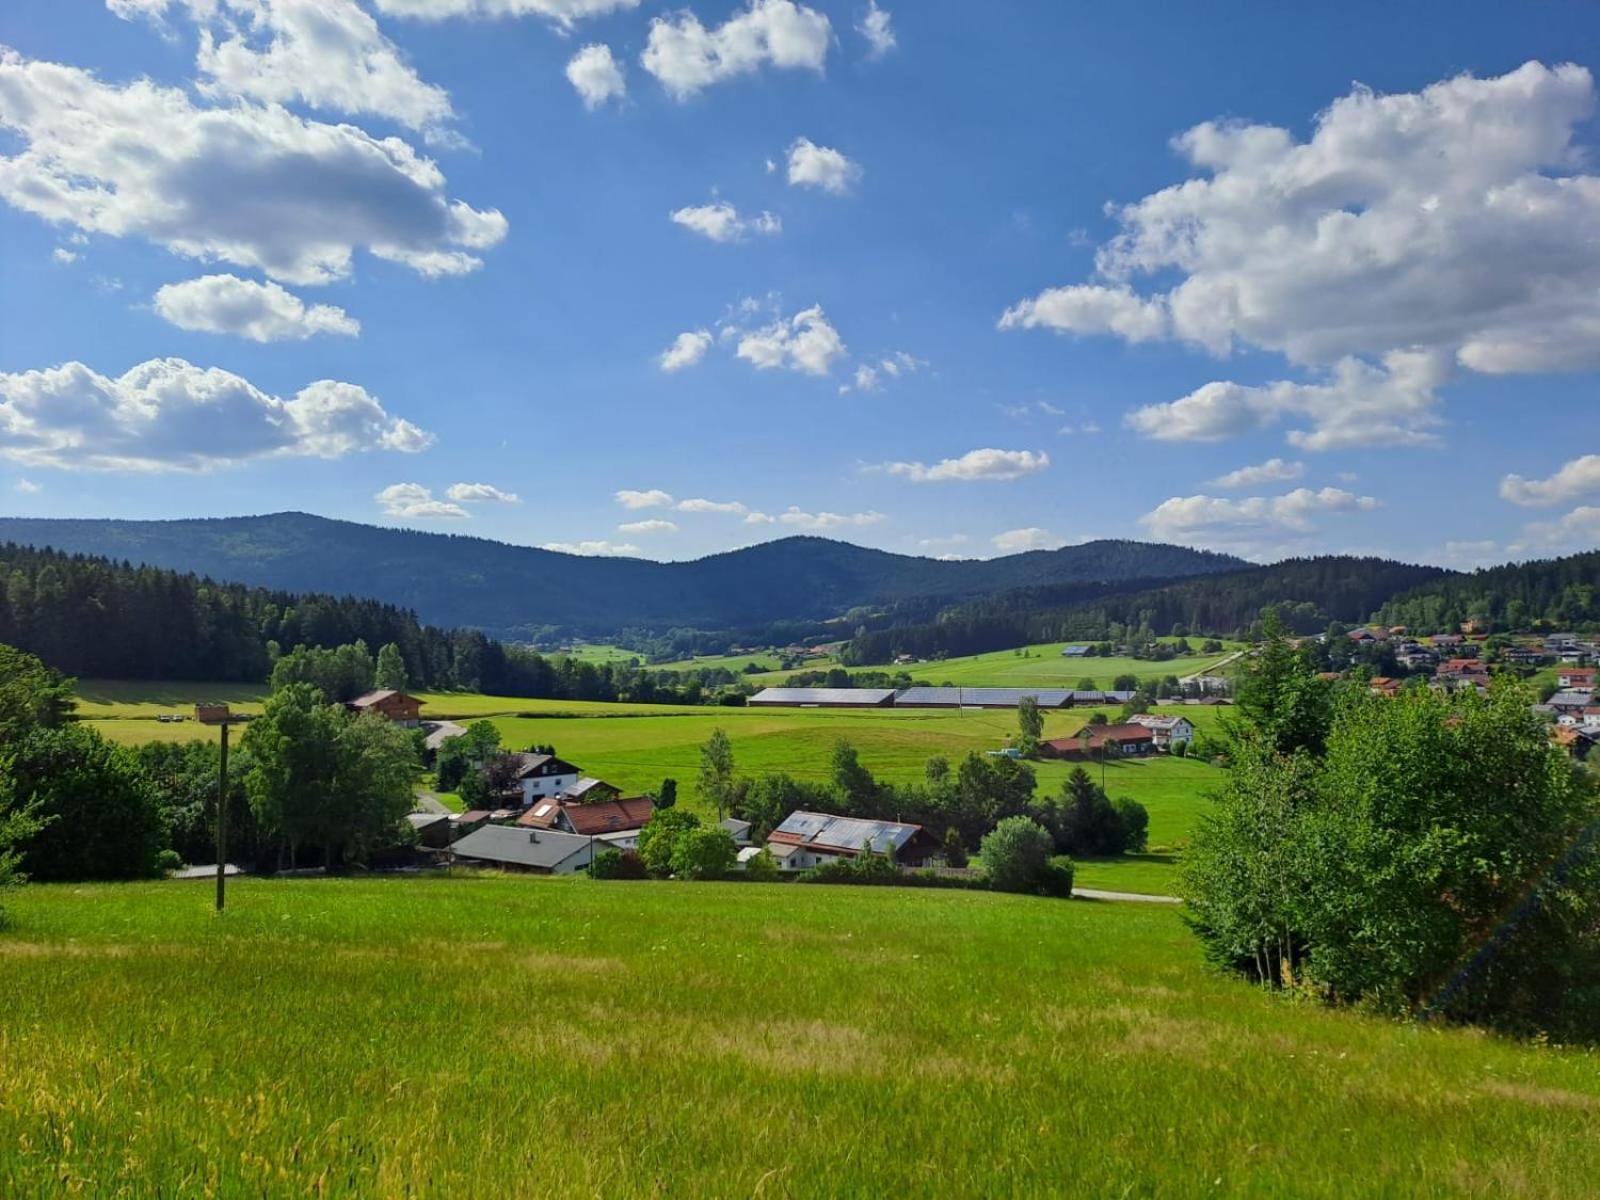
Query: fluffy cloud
(1251, 525)
(1354, 404)
(686, 350)
(721, 222)
(412, 501)
(875, 26)
(987, 464)
(1274, 470)
(687, 57)
(804, 342)
(1580, 477)
(597, 76)
(1455, 224)
(811, 165)
(563, 13)
(27, 487)
(594, 549)
(64, 256)
(654, 498)
(252, 185)
(167, 414)
(869, 377)
(1015, 541)
(262, 312)
(1577, 531)
(759, 518)
(328, 54)
(653, 525)
(480, 493)
(827, 520)
(700, 505)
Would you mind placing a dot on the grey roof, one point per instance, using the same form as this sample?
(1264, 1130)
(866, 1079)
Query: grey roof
(988, 697)
(518, 847)
(846, 833)
(1572, 699)
(1084, 696)
(528, 763)
(421, 820)
(441, 732)
(780, 695)
(738, 830)
(1074, 651)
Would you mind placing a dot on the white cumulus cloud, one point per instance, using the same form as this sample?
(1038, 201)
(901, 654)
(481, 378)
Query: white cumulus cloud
(799, 519)
(1274, 470)
(878, 30)
(687, 57)
(327, 54)
(1578, 478)
(412, 501)
(562, 13)
(167, 414)
(480, 493)
(986, 464)
(811, 165)
(1015, 541)
(805, 342)
(721, 222)
(652, 498)
(651, 525)
(596, 75)
(596, 549)
(1458, 225)
(701, 505)
(262, 312)
(686, 350)
(1577, 531)
(253, 185)
(1253, 525)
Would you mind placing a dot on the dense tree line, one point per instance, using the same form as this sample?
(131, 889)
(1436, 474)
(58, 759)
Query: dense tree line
(1562, 592)
(1310, 592)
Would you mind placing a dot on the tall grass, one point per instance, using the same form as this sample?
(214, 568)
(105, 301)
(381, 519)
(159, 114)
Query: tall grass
(492, 1037)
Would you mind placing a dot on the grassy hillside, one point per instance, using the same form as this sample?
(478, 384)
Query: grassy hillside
(517, 1037)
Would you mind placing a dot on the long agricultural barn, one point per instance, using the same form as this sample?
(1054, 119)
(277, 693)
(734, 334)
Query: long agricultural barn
(824, 697)
(981, 697)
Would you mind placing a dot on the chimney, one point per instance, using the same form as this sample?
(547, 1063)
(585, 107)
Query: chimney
(533, 836)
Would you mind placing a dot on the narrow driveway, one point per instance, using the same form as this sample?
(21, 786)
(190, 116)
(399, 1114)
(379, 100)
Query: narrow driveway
(1135, 897)
(428, 802)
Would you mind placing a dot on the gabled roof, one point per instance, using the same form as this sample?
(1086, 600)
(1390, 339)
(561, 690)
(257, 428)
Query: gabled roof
(1150, 721)
(609, 816)
(378, 695)
(511, 846)
(1100, 734)
(802, 696)
(527, 764)
(985, 697)
(847, 834)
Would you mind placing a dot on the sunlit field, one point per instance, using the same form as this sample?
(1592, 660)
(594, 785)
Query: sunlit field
(521, 1037)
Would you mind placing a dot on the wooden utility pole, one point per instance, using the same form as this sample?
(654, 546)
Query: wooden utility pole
(218, 714)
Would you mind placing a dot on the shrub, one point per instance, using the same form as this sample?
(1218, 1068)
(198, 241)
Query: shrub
(659, 838)
(1016, 855)
(704, 853)
(955, 854)
(1135, 820)
(169, 860)
(761, 867)
(618, 864)
(1056, 878)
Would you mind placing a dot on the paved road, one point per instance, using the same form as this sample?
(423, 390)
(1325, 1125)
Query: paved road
(1136, 897)
(1214, 667)
(428, 802)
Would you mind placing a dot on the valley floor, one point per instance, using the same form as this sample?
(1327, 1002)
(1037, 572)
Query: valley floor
(519, 1037)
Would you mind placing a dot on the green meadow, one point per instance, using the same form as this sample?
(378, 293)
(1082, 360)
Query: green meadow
(636, 746)
(511, 1036)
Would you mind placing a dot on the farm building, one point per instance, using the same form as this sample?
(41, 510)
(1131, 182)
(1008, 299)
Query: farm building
(433, 829)
(981, 697)
(1091, 741)
(540, 775)
(1168, 731)
(536, 851)
(807, 838)
(783, 697)
(589, 820)
(396, 706)
(1074, 651)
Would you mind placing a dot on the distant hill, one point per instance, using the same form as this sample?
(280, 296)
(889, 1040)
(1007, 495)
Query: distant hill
(519, 591)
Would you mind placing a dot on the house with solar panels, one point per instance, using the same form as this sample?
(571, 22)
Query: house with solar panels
(808, 839)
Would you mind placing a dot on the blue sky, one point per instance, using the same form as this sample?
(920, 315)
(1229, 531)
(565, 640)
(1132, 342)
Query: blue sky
(940, 280)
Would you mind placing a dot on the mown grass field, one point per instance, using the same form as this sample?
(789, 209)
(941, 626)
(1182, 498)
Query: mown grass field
(518, 1037)
(636, 746)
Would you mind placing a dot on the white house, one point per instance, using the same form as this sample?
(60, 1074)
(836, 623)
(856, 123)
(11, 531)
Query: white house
(544, 775)
(1167, 731)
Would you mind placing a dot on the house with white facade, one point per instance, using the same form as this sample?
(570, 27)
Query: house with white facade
(1167, 731)
(541, 775)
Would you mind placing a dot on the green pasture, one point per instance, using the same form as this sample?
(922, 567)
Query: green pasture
(519, 1037)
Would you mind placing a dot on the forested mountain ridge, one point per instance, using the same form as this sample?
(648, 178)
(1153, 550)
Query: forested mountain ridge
(518, 592)
(1309, 593)
(1561, 591)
